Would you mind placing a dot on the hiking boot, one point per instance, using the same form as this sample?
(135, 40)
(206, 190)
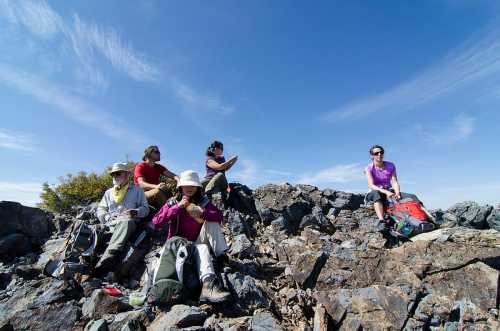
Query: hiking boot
(383, 227)
(212, 291)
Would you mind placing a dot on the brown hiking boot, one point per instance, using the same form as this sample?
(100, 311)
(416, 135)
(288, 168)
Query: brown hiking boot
(212, 291)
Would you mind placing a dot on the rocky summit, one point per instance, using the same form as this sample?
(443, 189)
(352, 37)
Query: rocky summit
(301, 258)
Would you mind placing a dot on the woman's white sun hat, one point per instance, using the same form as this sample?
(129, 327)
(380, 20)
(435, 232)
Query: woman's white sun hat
(189, 178)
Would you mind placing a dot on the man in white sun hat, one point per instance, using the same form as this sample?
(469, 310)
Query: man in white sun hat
(120, 208)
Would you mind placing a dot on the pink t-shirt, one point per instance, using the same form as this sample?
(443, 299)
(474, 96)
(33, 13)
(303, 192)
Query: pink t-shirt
(382, 177)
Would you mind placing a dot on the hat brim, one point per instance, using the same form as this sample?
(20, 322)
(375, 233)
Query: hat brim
(188, 183)
(120, 170)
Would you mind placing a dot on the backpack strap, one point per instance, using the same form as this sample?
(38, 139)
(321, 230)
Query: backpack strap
(204, 201)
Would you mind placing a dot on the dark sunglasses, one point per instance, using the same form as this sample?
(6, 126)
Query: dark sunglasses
(378, 153)
(117, 174)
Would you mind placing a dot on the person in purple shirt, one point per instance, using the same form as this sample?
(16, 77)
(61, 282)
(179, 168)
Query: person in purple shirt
(192, 216)
(216, 167)
(383, 184)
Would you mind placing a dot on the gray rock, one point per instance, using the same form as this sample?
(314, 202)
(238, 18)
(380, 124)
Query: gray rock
(306, 268)
(61, 316)
(34, 294)
(249, 296)
(241, 247)
(101, 303)
(98, 325)
(241, 199)
(12, 245)
(284, 200)
(317, 220)
(130, 320)
(180, 316)
(237, 223)
(49, 249)
(471, 214)
(493, 219)
(264, 321)
(34, 223)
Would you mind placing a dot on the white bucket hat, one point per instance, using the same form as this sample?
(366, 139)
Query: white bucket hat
(119, 167)
(189, 178)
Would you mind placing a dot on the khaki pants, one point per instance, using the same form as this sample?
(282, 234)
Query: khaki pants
(157, 197)
(121, 231)
(210, 237)
(217, 183)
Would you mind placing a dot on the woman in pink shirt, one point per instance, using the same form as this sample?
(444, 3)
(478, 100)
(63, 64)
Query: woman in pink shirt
(192, 216)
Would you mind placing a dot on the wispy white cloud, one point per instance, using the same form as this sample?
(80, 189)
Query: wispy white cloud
(86, 40)
(27, 193)
(16, 140)
(36, 16)
(70, 104)
(459, 129)
(278, 172)
(474, 60)
(342, 173)
(195, 101)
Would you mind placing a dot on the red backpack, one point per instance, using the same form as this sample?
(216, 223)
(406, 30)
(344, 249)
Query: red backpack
(409, 217)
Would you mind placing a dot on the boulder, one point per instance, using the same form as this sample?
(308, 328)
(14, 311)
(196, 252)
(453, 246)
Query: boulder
(306, 268)
(471, 214)
(129, 320)
(59, 316)
(241, 247)
(180, 316)
(493, 219)
(13, 245)
(100, 303)
(248, 296)
(370, 308)
(284, 200)
(49, 249)
(241, 199)
(264, 321)
(34, 223)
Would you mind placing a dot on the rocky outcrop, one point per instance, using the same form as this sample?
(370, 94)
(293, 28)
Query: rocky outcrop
(300, 258)
(23, 229)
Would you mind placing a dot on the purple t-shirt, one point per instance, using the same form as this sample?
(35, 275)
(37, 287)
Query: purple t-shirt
(212, 172)
(382, 177)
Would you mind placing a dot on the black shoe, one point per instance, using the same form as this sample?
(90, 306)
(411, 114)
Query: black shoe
(383, 227)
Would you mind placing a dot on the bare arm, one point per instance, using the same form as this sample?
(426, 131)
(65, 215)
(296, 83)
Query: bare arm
(395, 185)
(170, 174)
(145, 185)
(221, 166)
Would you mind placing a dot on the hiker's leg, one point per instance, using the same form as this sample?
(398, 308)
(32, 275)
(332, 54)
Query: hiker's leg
(378, 202)
(211, 234)
(122, 231)
(379, 209)
(203, 261)
(156, 197)
(217, 183)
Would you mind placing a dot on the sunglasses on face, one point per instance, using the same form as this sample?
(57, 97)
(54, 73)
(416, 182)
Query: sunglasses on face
(117, 174)
(378, 153)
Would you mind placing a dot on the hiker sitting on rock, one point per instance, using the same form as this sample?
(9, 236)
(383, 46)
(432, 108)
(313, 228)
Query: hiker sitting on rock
(383, 184)
(192, 216)
(120, 208)
(216, 166)
(147, 175)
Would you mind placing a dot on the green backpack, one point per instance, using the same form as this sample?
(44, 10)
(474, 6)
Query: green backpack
(165, 286)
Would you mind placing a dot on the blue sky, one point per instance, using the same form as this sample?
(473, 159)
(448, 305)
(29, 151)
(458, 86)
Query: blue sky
(299, 92)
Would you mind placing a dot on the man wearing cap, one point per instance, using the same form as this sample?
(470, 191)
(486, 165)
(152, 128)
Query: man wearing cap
(119, 209)
(147, 175)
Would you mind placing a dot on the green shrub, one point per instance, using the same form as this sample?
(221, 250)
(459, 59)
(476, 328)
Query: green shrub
(80, 189)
